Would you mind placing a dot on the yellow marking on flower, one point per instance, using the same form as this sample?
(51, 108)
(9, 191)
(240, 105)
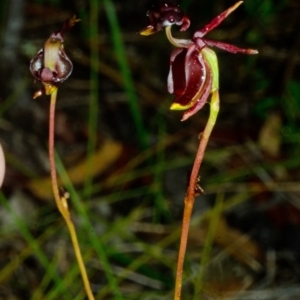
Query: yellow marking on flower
(178, 106)
(147, 31)
(49, 88)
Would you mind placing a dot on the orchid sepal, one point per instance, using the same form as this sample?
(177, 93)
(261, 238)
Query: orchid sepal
(212, 60)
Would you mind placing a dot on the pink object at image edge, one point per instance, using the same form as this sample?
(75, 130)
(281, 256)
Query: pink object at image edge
(2, 165)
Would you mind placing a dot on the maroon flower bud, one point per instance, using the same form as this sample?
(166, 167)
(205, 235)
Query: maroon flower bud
(62, 68)
(51, 65)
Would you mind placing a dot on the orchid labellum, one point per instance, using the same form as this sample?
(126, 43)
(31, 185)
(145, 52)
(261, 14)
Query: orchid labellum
(51, 65)
(193, 74)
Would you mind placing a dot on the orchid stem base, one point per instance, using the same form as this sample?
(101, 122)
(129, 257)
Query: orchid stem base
(190, 195)
(62, 200)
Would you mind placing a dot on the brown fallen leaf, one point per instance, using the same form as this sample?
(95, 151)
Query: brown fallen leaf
(270, 137)
(239, 245)
(235, 243)
(107, 154)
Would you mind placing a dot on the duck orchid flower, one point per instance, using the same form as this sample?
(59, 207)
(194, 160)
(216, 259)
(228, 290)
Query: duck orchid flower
(51, 65)
(194, 73)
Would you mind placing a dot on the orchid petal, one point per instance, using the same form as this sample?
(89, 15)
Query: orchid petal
(216, 21)
(202, 100)
(188, 81)
(230, 48)
(176, 82)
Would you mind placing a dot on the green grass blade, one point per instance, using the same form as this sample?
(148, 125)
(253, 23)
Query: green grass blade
(94, 239)
(125, 70)
(94, 96)
(24, 230)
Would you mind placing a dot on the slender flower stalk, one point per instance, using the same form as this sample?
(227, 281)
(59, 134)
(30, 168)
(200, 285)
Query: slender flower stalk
(52, 66)
(61, 199)
(190, 196)
(193, 77)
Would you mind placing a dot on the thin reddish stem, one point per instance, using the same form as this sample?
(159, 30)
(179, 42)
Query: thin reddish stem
(61, 202)
(51, 150)
(190, 196)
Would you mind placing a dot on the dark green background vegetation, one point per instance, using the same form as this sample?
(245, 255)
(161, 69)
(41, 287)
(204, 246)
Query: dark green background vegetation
(128, 213)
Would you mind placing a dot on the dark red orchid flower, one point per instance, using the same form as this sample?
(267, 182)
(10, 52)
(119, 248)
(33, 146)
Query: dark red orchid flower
(51, 65)
(194, 71)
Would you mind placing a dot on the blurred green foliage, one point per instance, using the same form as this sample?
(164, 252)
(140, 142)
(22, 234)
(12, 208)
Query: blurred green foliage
(125, 84)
